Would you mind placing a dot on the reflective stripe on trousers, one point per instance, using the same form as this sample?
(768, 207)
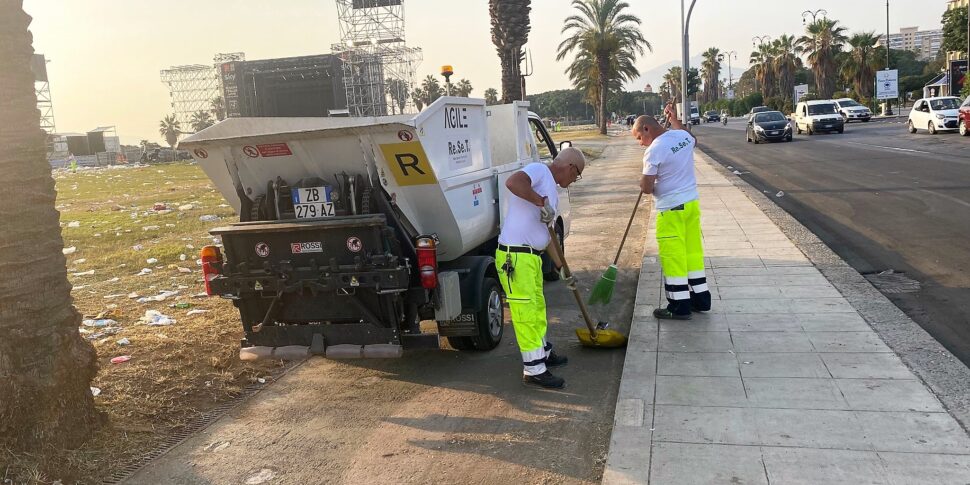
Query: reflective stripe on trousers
(523, 291)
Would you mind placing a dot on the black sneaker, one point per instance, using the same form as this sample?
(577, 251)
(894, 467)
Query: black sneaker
(555, 360)
(665, 314)
(546, 380)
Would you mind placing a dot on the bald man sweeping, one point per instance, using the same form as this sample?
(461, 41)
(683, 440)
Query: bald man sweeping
(522, 241)
(668, 174)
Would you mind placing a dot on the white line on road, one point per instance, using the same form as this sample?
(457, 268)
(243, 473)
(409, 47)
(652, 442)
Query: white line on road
(889, 148)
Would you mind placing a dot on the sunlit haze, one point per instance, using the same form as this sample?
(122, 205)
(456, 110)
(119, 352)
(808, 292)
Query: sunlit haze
(105, 55)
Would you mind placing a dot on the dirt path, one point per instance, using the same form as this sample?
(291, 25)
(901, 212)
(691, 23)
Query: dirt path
(444, 416)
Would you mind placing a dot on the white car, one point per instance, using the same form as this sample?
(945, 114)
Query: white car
(851, 110)
(935, 115)
(818, 115)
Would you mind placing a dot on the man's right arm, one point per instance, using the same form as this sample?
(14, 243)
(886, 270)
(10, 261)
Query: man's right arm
(521, 186)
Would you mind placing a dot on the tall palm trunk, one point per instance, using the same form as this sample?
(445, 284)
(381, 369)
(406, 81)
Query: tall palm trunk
(602, 66)
(511, 79)
(45, 366)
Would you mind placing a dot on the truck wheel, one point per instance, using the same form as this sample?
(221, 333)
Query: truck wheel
(461, 343)
(491, 319)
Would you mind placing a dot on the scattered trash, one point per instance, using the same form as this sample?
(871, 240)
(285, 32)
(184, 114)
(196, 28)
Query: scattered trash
(81, 261)
(888, 271)
(144, 271)
(186, 207)
(261, 380)
(780, 193)
(183, 257)
(70, 250)
(200, 295)
(123, 341)
(209, 218)
(150, 228)
(101, 322)
(156, 318)
(74, 224)
(136, 247)
(261, 477)
(184, 270)
(182, 305)
(747, 362)
(216, 446)
(737, 172)
(195, 312)
(189, 246)
(121, 359)
(159, 206)
(95, 391)
(151, 260)
(133, 295)
(113, 280)
(84, 273)
(113, 295)
(159, 297)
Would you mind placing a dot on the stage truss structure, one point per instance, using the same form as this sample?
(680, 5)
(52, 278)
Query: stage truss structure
(193, 87)
(377, 65)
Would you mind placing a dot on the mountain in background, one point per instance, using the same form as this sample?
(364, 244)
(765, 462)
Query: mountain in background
(655, 76)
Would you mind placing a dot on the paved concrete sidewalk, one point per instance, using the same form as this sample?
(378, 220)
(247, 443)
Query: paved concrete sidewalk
(782, 382)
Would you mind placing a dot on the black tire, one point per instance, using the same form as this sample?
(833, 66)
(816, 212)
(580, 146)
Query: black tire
(910, 127)
(788, 138)
(491, 318)
(931, 127)
(809, 130)
(865, 120)
(841, 130)
(461, 343)
(798, 129)
(755, 139)
(963, 128)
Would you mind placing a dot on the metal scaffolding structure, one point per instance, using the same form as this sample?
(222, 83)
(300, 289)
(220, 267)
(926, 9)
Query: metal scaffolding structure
(378, 66)
(46, 106)
(193, 87)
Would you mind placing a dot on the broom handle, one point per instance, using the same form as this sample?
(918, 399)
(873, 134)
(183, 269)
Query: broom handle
(560, 260)
(627, 231)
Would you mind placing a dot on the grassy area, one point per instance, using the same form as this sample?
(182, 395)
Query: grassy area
(123, 222)
(583, 133)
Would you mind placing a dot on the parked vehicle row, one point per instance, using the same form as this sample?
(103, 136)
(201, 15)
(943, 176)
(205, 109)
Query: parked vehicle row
(939, 114)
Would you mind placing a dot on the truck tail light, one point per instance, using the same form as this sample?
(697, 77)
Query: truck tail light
(211, 265)
(427, 261)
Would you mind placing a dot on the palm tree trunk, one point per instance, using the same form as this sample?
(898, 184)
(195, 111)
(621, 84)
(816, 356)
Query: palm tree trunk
(45, 366)
(511, 84)
(602, 65)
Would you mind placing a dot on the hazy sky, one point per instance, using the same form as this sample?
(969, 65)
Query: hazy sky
(106, 54)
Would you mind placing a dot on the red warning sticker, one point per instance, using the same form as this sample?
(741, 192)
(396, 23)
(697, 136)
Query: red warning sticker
(274, 150)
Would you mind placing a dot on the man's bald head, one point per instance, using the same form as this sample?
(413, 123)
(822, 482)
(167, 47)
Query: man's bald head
(568, 166)
(646, 129)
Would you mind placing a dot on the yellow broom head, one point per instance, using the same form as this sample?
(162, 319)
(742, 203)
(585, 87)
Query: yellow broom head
(605, 338)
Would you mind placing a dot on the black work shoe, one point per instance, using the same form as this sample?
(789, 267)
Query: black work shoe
(555, 360)
(665, 314)
(697, 308)
(546, 380)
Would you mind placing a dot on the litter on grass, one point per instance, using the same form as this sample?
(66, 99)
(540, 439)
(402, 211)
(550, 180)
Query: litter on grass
(74, 224)
(195, 312)
(123, 341)
(95, 391)
(781, 193)
(101, 322)
(84, 273)
(156, 318)
(121, 359)
(209, 218)
(151, 260)
(144, 271)
(70, 250)
(159, 297)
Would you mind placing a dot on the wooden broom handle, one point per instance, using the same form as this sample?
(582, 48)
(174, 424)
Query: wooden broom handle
(627, 231)
(560, 260)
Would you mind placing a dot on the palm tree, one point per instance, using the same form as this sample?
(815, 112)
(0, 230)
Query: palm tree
(463, 88)
(170, 129)
(218, 108)
(763, 59)
(861, 63)
(822, 42)
(786, 64)
(201, 120)
(47, 367)
(491, 96)
(672, 80)
(431, 89)
(510, 31)
(608, 40)
(397, 89)
(418, 96)
(711, 71)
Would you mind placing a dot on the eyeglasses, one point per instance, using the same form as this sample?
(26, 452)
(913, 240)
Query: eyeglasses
(579, 175)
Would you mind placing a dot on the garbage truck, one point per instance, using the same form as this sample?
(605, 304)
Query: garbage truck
(353, 231)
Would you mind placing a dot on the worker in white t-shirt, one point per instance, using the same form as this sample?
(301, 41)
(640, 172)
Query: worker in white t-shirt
(668, 174)
(523, 238)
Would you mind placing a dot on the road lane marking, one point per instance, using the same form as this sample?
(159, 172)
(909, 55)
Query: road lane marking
(890, 148)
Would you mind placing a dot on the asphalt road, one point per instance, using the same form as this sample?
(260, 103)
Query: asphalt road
(882, 199)
(444, 416)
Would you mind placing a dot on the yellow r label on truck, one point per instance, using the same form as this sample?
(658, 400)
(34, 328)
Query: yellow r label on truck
(408, 163)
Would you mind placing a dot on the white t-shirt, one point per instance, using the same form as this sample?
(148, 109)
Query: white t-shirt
(671, 158)
(522, 226)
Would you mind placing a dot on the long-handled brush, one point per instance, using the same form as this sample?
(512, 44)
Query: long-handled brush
(593, 335)
(603, 290)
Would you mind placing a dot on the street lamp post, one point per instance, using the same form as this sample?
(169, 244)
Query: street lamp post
(889, 109)
(721, 58)
(685, 38)
(814, 14)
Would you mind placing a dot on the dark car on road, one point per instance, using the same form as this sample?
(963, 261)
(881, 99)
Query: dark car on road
(712, 117)
(965, 117)
(768, 126)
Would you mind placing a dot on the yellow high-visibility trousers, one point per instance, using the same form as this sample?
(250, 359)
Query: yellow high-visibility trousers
(521, 277)
(681, 249)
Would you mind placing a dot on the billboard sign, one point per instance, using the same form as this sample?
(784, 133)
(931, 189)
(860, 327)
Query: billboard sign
(800, 91)
(730, 94)
(958, 75)
(887, 84)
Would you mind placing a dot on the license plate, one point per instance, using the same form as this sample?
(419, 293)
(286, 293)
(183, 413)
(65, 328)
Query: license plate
(828, 126)
(312, 202)
(773, 132)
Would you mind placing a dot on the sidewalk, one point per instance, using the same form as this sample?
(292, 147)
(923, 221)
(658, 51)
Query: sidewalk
(782, 382)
